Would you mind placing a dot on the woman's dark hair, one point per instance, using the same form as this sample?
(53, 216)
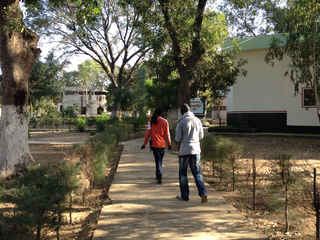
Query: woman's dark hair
(157, 113)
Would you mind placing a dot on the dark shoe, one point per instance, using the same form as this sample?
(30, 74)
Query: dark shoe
(180, 198)
(204, 198)
(159, 181)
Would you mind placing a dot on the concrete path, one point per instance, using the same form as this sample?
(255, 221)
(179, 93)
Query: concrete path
(139, 208)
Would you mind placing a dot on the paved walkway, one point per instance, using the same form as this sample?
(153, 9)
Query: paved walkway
(139, 208)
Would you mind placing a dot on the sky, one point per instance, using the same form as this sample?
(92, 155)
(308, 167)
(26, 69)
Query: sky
(46, 46)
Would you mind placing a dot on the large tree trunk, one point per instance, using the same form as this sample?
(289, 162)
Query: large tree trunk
(116, 104)
(184, 88)
(187, 64)
(18, 51)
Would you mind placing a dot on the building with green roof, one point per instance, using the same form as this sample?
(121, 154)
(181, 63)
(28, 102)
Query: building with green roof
(265, 99)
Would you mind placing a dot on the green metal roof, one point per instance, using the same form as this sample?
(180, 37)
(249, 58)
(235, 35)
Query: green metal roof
(253, 43)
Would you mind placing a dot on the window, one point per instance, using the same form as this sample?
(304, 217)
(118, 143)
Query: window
(70, 93)
(308, 98)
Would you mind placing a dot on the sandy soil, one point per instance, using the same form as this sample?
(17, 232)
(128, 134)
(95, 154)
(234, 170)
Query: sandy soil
(52, 153)
(270, 215)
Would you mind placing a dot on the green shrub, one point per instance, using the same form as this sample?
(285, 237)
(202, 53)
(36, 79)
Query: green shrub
(101, 122)
(38, 199)
(92, 132)
(57, 121)
(103, 145)
(222, 153)
(81, 124)
(91, 121)
(139, 122)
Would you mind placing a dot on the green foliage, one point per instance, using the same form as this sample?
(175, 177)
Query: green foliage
(103, 145)
(69, 111)
(137, 122)
(13, 23)
(222, 152)
(36, 198)
(250, 18)
(162, 87)
(299, 43)
(91, 121)
(45, 80)
(81, 124)
(214, 76)
(284, 178)
(57, 121)
(84, 24)
(282, 170)
(101, 122)
(91, 74)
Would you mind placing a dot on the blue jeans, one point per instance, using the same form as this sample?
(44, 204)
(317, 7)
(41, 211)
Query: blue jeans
(158, 156)
(194, 162)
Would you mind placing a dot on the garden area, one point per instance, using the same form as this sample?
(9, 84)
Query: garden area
(277, 196)
(60, 196)
(269, 179)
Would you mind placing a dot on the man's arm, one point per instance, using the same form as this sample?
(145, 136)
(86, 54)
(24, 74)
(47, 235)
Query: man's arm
(178, 133)
(201, 131)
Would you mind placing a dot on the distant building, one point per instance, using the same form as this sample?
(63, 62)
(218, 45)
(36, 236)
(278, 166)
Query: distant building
(96, 97)
(219, 108)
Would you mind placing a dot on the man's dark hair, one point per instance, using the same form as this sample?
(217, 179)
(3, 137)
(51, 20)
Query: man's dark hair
(184, 108)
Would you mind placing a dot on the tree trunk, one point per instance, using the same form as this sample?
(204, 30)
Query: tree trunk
(116, 104)
(287, 209)
(18, 51)
(184, 88)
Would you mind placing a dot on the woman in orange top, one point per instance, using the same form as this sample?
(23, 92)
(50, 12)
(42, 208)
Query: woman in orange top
(158, 128)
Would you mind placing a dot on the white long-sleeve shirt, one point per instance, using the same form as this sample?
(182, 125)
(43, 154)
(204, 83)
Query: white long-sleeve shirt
(189, 131)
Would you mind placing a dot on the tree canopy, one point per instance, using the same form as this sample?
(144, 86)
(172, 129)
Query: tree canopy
(250, 18)
(300, 45)
(112, 36)
(45, 79)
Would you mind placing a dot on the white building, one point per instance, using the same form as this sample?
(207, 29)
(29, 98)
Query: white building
(264, 99)
(219, 108)
(95, 97)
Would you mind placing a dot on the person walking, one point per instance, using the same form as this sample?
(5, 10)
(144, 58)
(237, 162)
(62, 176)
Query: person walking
(158, 128)
(189, 131)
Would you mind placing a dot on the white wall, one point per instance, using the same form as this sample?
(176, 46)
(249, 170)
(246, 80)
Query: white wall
(262, 89)
(265, 89)
(296, 114)
(230, 100)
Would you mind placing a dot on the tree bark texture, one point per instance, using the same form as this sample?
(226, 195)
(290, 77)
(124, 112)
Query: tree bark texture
(185, 65)
(18, 50)
(116, 103)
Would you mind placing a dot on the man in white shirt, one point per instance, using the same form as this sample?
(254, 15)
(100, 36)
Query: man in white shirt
(189, 131)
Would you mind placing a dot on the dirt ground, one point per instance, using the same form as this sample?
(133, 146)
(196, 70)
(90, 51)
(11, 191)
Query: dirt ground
(305, 153)
(270, 214)
(51, 153)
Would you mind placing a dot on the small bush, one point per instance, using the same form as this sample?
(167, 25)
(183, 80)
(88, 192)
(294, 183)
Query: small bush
(81, 124)
(101, 122)
(39, 198)
(91, 121)
(222, 153)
